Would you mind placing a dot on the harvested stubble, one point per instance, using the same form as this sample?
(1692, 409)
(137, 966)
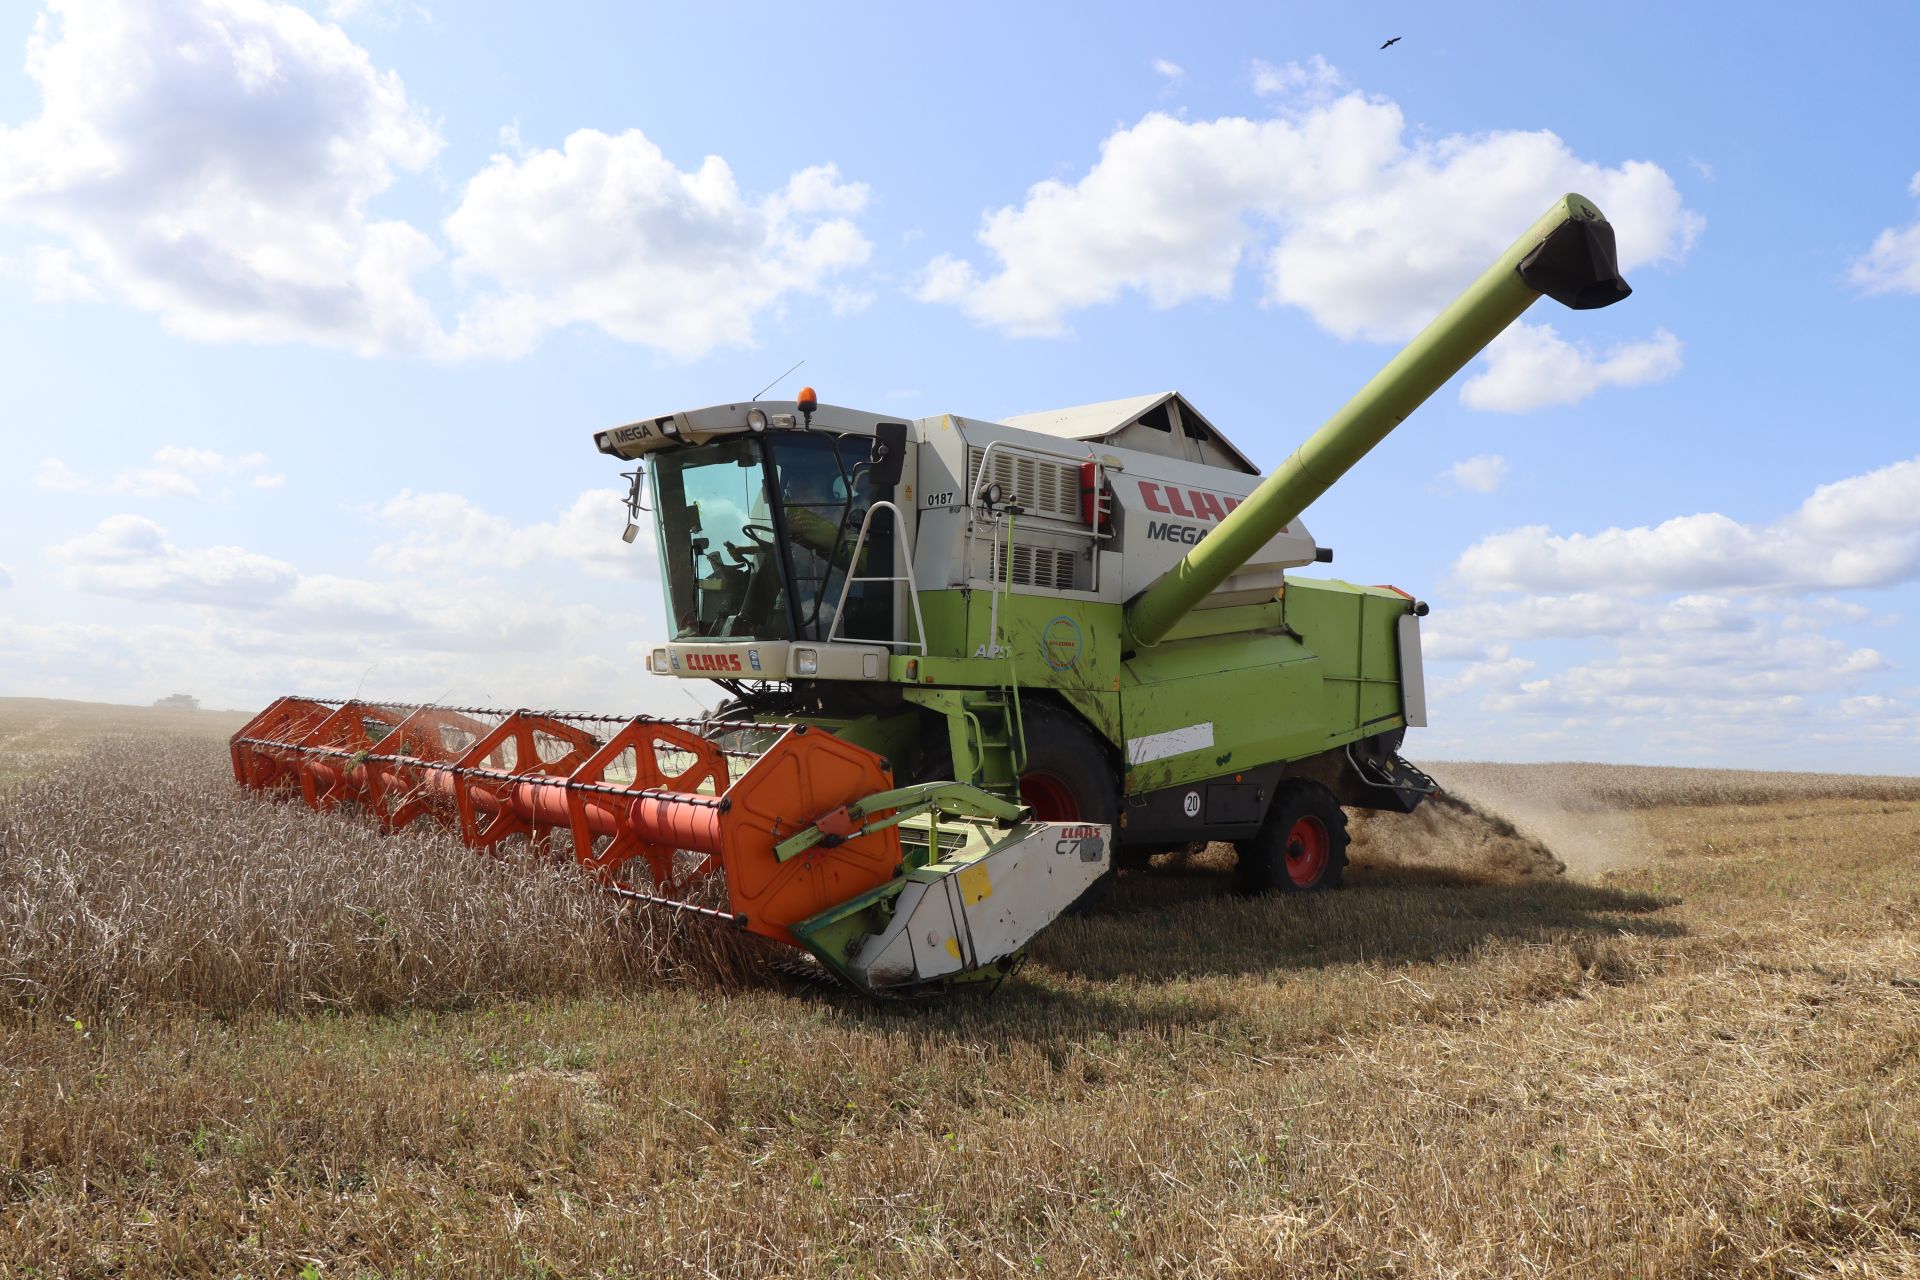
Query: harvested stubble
(140, 876)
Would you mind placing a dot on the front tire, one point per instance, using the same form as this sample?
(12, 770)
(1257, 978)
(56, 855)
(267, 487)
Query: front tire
(1301, 847)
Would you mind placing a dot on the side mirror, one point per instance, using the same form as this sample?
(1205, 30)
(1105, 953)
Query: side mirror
(889, 455)
(635, 502)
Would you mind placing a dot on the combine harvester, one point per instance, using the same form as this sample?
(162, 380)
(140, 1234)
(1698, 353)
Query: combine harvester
(974, 666)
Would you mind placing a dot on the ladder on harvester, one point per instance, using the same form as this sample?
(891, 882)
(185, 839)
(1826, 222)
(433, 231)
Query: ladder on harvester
(996, 740)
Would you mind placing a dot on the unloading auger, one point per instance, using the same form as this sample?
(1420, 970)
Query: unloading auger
(974, 666)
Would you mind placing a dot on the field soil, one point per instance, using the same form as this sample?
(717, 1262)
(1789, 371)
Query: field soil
(1572, 1020)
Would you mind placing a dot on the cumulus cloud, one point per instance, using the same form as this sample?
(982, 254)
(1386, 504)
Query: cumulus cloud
(176, 472)
(1315, 79)
(130, 556)
(213, 163)
(52, 273)
(1531, 366)
(1169, 70)
(1863, 531)
(1367, 229)
(56, 476)
(517, 621)
(218, 163)
(608, 231)
(1892, 265)
(1651, 673)
(1482, 473)
(442, 531)
(1743, 679)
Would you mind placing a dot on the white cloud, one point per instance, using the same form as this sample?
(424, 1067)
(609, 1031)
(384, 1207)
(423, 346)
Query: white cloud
(213, 163)
(445, 531)
(1315, 80)
(217, 163)
(506, 625)
(176, 472)
(1652, 672)
(56, 476)
(1531, 367)
(610, 232)
(376, 13)
(1482, 473)
(6, 577)
(1368, 230)
(1746, 680)
(1501, 672)
(52, 273)
(1169, 69)
(129, 555)
(1863, 531)
(1892, 265)
(1485, 629)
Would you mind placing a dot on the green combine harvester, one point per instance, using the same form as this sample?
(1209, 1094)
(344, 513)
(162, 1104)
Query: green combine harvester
(973, 666)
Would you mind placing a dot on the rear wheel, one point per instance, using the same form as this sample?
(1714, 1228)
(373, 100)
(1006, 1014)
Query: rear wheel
(1066, 778)
(1302, 845)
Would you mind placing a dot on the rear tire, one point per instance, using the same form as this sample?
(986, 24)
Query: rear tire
(1068, 777)
(1301, 847)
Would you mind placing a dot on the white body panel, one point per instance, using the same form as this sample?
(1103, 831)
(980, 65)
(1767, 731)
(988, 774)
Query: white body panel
(769, 660)
(1160, 499)
(1160, 507)
(1413, 673)
(985, 908)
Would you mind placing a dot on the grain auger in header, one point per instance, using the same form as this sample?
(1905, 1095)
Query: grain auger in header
(972, 666)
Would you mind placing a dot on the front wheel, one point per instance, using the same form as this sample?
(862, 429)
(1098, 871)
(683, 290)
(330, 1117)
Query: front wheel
(1302, 845)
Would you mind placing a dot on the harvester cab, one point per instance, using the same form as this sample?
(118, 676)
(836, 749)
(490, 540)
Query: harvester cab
(971, 665)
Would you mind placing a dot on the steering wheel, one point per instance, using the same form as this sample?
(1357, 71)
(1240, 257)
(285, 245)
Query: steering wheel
(756, 541)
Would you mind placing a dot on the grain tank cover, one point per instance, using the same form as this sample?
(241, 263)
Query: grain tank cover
(1164, 423)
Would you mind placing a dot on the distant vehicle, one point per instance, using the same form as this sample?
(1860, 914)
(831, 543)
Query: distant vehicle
(177, 702)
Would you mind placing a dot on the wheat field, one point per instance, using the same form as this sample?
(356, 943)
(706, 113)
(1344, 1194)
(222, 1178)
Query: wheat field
(1578, 1020)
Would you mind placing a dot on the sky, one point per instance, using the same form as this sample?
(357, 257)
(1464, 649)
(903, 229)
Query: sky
(309, 313)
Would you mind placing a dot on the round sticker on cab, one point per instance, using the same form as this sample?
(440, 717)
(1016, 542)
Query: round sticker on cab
(1191, 804)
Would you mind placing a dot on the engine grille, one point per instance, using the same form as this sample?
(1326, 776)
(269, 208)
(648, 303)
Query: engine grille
(1053, 567)
(1043, 488)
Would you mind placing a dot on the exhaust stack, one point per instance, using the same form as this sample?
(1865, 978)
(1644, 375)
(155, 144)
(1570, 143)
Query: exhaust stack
(1568, 255)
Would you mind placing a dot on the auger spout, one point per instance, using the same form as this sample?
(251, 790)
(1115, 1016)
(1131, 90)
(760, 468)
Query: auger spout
(1567, 255)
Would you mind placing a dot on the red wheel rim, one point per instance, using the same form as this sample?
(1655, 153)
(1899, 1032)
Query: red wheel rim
(1307, 851)
(1049, 797)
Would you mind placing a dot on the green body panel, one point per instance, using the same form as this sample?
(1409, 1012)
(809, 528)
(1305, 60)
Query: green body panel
(1455, 336)
(1313, 670)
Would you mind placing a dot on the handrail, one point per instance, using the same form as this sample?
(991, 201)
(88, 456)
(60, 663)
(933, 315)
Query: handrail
(849, 578)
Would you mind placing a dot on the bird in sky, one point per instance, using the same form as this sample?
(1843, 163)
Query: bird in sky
(1395, 40)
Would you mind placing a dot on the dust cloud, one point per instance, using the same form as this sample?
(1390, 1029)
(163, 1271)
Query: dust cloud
(1486, 826)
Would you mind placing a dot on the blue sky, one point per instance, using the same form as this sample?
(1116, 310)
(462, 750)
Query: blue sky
(309, 314)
